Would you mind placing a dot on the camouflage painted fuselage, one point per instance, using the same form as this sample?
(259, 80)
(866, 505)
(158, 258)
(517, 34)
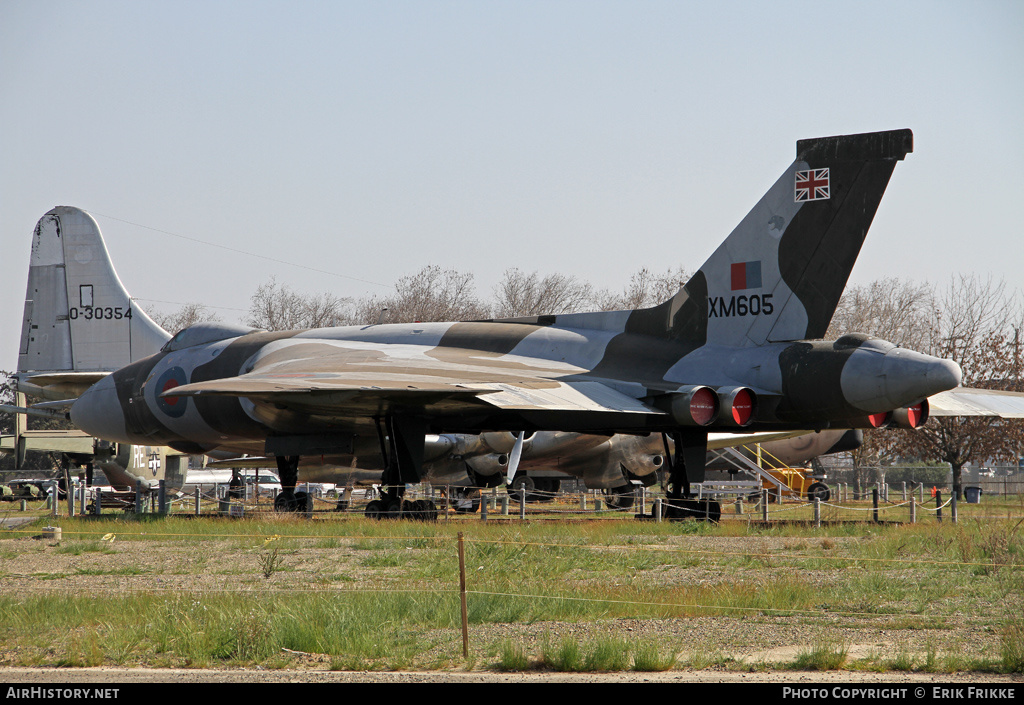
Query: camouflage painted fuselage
(736, 348)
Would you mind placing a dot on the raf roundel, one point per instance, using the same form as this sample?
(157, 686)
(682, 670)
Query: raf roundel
(172, 406)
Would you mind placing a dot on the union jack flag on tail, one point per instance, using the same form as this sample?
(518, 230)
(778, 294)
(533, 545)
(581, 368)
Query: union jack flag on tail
(811, 185)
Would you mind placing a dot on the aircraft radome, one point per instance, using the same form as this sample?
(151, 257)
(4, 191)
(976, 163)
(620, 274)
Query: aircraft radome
(736, 349)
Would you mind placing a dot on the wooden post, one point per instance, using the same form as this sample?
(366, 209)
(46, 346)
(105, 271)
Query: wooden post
(739, 506)
(952, 505)
(874, 502)
(484, 501)
(462, 596)
(913, 509)
(764, 505)
(522, 504)
(161, 495)
(197, 500)
(817, 513)
(938, 505)
(657, 509)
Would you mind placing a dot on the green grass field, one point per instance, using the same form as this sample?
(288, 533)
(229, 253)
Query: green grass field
(612, 594)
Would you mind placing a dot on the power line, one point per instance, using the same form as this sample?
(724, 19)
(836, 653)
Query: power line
(241, 252)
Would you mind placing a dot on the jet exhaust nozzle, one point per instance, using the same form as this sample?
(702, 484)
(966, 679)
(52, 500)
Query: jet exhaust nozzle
(694, 406)
(911, 416)
(738, 405)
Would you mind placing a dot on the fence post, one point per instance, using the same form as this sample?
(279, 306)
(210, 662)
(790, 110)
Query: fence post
(764, 505)
(484, 501)
(657, 509)
(817, 513)
(874, 502)
(913, 510)
(952, 506)
(522, 504)
(462, 597)
(938, 505)
(739, 506)
(197, 500)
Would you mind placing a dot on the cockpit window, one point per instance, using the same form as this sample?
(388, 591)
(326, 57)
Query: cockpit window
(202, 333)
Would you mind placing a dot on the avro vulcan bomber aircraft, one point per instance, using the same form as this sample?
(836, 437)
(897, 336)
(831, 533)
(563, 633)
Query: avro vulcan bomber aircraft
(737, 349)
(81, 324)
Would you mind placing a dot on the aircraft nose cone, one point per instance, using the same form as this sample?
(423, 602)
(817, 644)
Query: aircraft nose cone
(945, 374)
(98, 412)
(878, 382)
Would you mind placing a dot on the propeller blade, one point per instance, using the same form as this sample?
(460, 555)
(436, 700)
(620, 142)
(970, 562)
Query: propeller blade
(513, 459)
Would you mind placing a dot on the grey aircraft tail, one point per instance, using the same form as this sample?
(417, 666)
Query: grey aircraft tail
(80, 323)
(780, 273)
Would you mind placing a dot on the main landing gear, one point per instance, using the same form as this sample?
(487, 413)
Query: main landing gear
(402, 449)
(391, 506)
(288, 500)
(690, 451)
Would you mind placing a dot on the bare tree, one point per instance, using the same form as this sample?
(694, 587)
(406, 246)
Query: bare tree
(432, 294)
(645, 289)
(979, 324)
(896, 310)
(184, 317)
(277, 307)
(520, 294)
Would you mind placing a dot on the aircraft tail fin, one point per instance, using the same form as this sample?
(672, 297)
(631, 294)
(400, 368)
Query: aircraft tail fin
(780, 273)
(78, 316)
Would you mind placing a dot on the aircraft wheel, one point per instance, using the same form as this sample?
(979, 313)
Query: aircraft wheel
(419, 510)
(285, 502)
(393, 509)
(618, 497)
(709, 511)
(818, 490)
(431, 513)
(546, 489)
(303, 502)
(374, 510)
(520, 486)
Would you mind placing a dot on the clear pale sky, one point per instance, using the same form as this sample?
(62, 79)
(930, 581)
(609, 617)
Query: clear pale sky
(368, 139)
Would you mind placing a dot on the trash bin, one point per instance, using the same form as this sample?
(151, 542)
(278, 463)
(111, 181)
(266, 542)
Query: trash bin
(972, 494)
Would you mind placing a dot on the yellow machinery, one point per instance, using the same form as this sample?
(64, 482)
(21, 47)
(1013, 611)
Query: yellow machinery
(797, 485)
